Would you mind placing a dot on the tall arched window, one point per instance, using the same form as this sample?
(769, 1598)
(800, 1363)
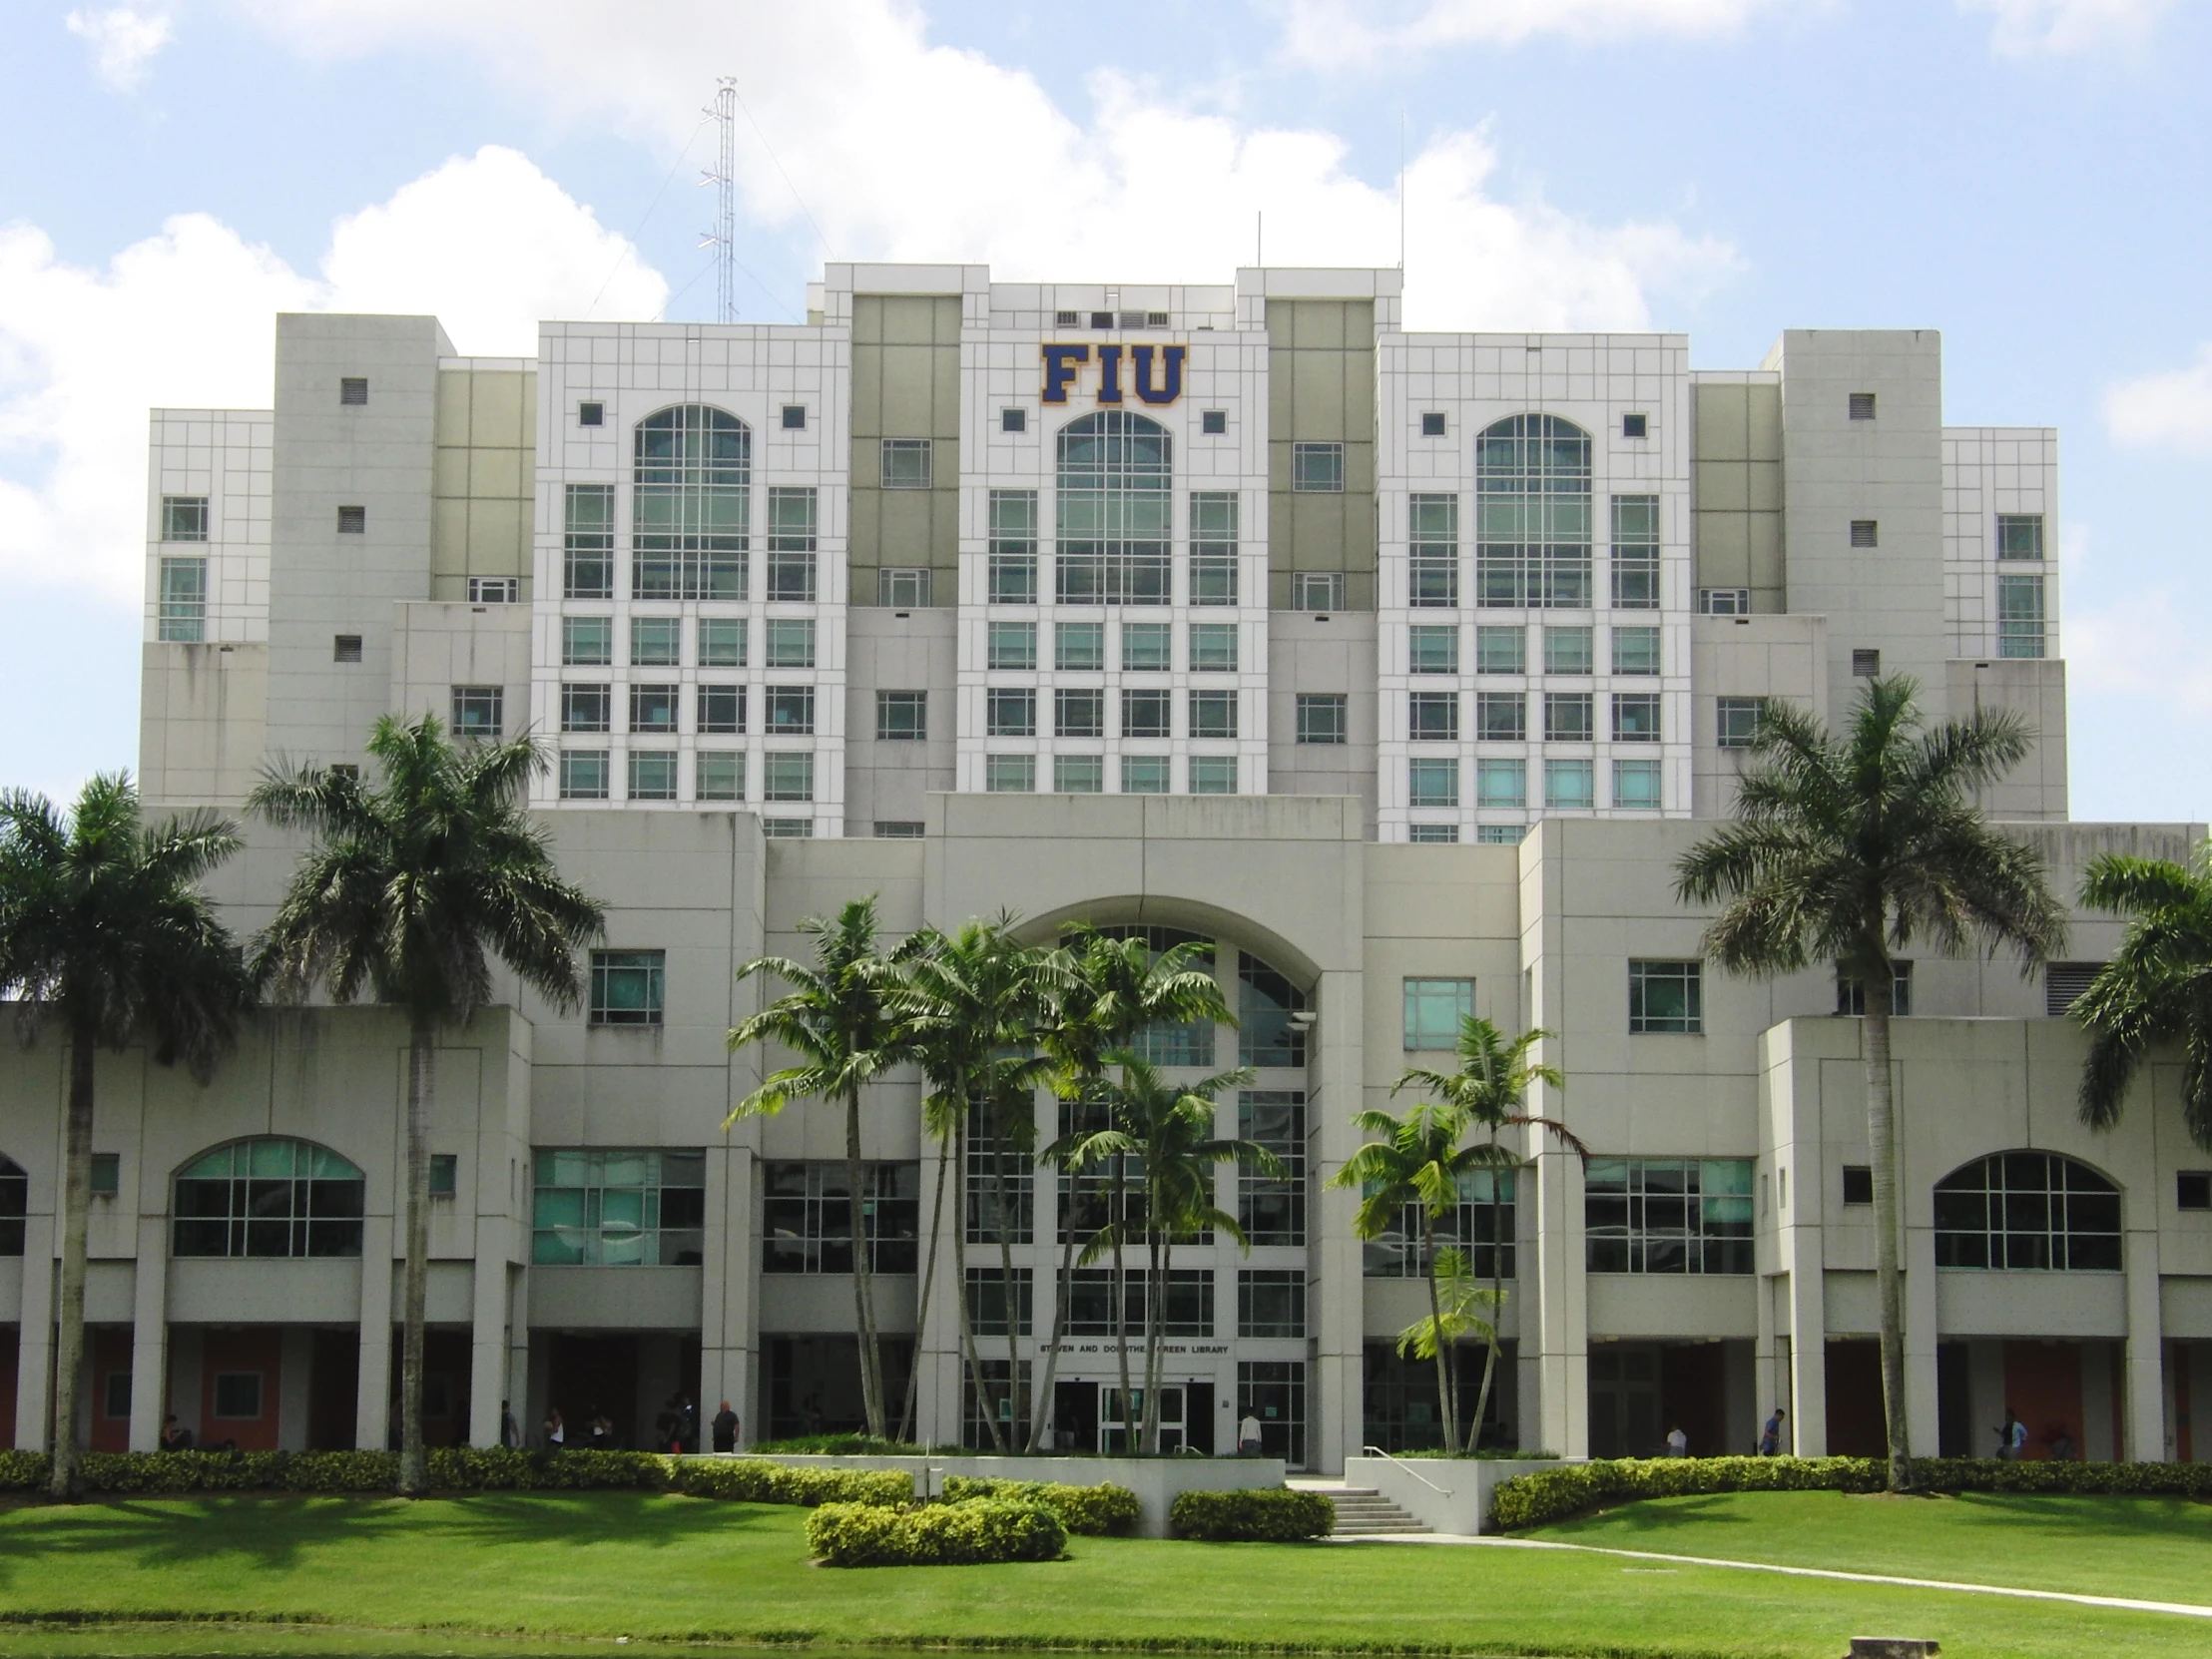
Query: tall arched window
(268, 1197)
(2032, 1210)
(1532, 513)
(15, 1200)
(693, 510)
(1116, 484)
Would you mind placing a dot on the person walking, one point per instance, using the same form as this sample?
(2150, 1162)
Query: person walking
(2011, 1437)
(510, 1432)
(725, 1428)
(1248, 1435)
(1770, 1438)
(555, 1430)
(1678, 1443)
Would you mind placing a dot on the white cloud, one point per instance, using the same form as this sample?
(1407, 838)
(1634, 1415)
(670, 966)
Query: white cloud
(2173, 409)
(2142, 646)
(1328, 34)
(122, 42)
(184, 319)
(2026, 27)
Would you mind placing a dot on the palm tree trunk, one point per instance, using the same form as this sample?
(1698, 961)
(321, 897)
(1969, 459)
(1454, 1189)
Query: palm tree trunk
(1003, 1199)
(1121, 1298)
(864, 1302)
(1041, 1404)
(1497, 1304)
(1882, 1137)
(69, 1355)
(1155, 1333)
(928, 1281)
(985, 1403)
(1446, 1400)
(414, 1467)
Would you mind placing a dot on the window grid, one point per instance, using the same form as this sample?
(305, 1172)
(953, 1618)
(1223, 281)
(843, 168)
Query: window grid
(588, 542)
(1483, 1223)
(1113, 505)
(806, 1217)
(1213, 557)
(1320, 716)
(1636, 553)
(1666, 997)
(1435, 1012)
(618, 1209)
(1532, 514)
(184, 601)
(2032, 1211)
(1668, 1215)
(267, 1197)
(1271, 1302)
(1271, 1209)
(628, 987)
(1433, 557)
(1013, 547)
(691, 504)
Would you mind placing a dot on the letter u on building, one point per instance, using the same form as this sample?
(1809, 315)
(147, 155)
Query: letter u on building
(1171, 372)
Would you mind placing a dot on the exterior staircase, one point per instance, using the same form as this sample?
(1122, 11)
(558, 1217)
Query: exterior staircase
(1364, 1513)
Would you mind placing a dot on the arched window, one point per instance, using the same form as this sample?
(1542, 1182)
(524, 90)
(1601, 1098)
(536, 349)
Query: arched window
(1532, 513)
(693, 510)
(2032, 1210)
(268, 1197)
(15, 1200)
(1116, 484)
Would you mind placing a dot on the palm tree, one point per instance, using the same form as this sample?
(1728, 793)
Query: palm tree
(1846, 850)
(1463, 1308)
(2156, 989)
(412, 886)
(1489, 1088)
(105, 933)
(841, 1018)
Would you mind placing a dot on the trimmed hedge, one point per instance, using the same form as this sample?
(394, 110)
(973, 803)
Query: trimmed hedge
(1576, 1488)
(1098, 1512)
(460, 1469)
(968, 1534)
(1259, 1514)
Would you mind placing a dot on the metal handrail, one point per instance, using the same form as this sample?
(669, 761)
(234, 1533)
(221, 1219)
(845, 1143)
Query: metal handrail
(1409, 1469)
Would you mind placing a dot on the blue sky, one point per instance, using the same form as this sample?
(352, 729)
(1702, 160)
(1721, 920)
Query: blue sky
(2027, 176)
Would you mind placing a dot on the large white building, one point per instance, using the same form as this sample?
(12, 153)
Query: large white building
(909, 600)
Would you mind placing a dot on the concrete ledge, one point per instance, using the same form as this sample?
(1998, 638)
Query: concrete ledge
(1447, 1495)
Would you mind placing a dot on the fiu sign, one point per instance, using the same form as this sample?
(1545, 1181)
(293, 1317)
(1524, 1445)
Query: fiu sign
(1155, 372)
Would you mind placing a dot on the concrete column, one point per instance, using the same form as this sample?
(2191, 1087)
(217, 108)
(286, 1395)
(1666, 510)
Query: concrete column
(35, 1340)
(1334, 1386)
(294, 1369)
(1806, 1291)
(149, 1334)
(518, 1348)
(729, 1308)
(2143, 1409)
(1923, 1398)
(1765, 1375)
(487, 1355)
(1560, 1327)
(372, 1410)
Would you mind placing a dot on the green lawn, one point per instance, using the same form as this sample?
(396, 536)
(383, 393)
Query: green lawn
(461, 1575)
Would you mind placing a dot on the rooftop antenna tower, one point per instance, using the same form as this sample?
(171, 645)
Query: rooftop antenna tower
(723, 239)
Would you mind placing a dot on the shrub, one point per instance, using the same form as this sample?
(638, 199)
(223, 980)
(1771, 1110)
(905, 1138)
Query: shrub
(846, 1446)
(754, 1480)
(936, 1535)
(1088, 1511)
(1264, 1514)
(1576, 1488)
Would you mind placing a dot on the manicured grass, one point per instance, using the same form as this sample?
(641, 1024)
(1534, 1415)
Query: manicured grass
(561, 1569)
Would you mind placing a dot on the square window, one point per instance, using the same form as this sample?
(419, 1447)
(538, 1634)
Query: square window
(587, 640)
(899, 829)
(478, 711)
(1862, 405)
(1213, 648)
(1213, 713)
(1014, 645)
(1144, 714)
(1079, 645)
(1635, 426)
(1858, 1183)
(1014, 575)
(1567, 717)
(722, 642)
(1866, 663)
(652, 775)
(790, 712)
(1147, 647)
(1570, 786)
(1865, 532)
(794, 417)
(2020, 535)
(584, 773)
(653, 707)
(656, 641)
(1271, 1302)
(237, 1397)
(1666, 997)
(1501, 834)
(1724, 601)
(1013, 420)
(787, 777)
(1318, 467)
(1570, 651)
(1431, 782)
(1078, 774)
(1435, 1012)
(1737, 720)
(1102, 319)
(1431, 648)
(1501, 717)
(1433, 425)
(1078, 712)
(720, 709)
(1010, 712)
(353, 390)
(107, 1174)
(1320, 716)
(1144, 774)
(494, 590)
(1213, 774)
(184, 518)
(1011, 774)
(1433, 716)
(115, 1400)
(903, 587)
(906, 463)
(1066, 319)
(590, 414)
(1635, 649)
(1502, 784)
(587, 707)
(628, 987)
(1636, 716)
(445, 1174)
(1213, 422)
(717, 774)
(1636, 785)
(787, 829)
(788, 642)
(1433, 833)
(352, 521)
(345, 647)
(2193, 1190)
(1502, 650)
(1317, 589)
(901, 715)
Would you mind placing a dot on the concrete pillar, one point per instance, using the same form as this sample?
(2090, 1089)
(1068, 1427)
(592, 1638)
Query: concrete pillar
(1334, 1388)
(2143, 1409)
(729, 1308)
(1806, 1291)
(1561, 1313)
(149, 1334)
(294, 1369)
(487, 1354)
(35, 1340)
(1924, 1415)
(518, 1350)
(372, 1409)
(1767, 1375)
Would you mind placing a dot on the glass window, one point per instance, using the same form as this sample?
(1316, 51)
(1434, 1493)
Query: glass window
(2035, 1211)
(1432, 556)
(1636, 553)
(2020, 535)
(1435, 1009)
(719, 775)
(1013, 420)
(1273, 1392)
(1635, 651)
(1079, 645)
(1189, 1313)
(722, 642)
(1570, 784)
(588, 542)
(656, 641)
(1011, 774)
(1501, 717)
(1568, 717)
(901, 715)
(1431, 648)
(652, 775)
(2019, 616)
(106, 1174)
(1144, 774)
(585, 774)
(1570, 651)
(1144, 714)
(1637, 786)
(1271, 1209)
(184, 518)
(899, 829)
(906, 463)
(720, 709)
(1079, 712)
(1013, 644)
(1724, 601)
(786, 776)
(787, 828)
(692, 505)
(790, 544)
(1502, 784)
(1431, 782)
(806, 1217)
(1266, 1035)
(1318, 467)
(1433, 716)
(627, 986)
(1636, 716)
(1271, 1302)
(1501, 834)
(1483, 1224)
(1147, 647)
(1668, 1215)
(1214, 421)
(587, 640)
(1010, 712)
(1317, 589)
(1320, 716)
(1433, 423)
(1532, 514)
(1214, 547)
(794, 417)
(478, 711)
(1851, 996)
(1013, 555)
(1213, 774)
(790, 642)
(1213, 648)
(1213, 713)
(587, 709)
(653, 707)
(1441, 834)
(1737, 720)
(986, 1300)
(1114, 504)
(184, 601)
(1501, 650)
(494, 590)
(1666, 997)
(268, 1197)
(593, 1207)
(1078, 774)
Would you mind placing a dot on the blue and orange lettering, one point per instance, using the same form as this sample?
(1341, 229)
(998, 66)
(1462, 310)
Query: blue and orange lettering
(1109, 375)
(1171, 372)
(1061, 365)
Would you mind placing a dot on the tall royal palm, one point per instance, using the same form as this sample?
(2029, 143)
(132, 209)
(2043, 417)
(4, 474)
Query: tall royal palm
(2156, 989)
(106, 937)
(413, 885)
(1848, 849)
(841, 1018)
(1490, 1090)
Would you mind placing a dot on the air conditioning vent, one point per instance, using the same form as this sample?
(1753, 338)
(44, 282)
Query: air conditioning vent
(2063, 983)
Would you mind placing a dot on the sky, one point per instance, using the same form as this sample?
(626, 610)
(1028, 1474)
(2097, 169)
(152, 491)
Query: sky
(2029, 176)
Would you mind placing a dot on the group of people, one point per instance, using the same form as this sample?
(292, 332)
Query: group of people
(2011, 1437)
(675, 1430)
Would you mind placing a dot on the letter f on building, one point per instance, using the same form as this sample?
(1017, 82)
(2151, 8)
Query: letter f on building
(1061, 365)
